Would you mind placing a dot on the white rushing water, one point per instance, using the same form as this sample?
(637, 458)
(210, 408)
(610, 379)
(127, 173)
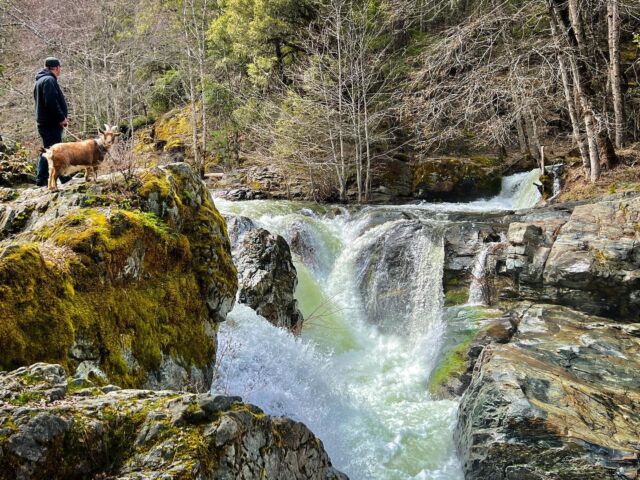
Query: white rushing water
(361, 388)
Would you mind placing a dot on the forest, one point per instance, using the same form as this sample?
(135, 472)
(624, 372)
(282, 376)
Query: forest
(329, 91)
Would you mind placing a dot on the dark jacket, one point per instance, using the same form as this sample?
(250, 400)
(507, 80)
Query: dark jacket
(51, 107)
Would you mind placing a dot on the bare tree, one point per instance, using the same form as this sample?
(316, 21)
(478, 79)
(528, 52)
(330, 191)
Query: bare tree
(613, 37)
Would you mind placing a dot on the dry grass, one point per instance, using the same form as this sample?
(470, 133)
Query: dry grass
(60, 255)
(625, 177)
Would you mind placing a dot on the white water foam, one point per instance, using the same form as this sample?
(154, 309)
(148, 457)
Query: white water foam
(368, 404)
(363, 392)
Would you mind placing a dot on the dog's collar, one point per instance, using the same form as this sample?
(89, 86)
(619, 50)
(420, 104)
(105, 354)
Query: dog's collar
(101, 147)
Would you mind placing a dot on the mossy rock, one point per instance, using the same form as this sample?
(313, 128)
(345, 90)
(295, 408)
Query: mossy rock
(172, 132)
(456, 179)
(16, 172)
(53, 432)
(141, 285)
(456, 296)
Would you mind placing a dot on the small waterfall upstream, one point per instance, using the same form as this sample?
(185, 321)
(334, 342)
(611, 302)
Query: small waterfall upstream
(370, 287)
(477, 294)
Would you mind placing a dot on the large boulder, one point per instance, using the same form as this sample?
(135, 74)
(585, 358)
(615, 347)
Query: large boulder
(51, 430)
(266, 275)
(125, 283)
(561, 400)
(456, 179)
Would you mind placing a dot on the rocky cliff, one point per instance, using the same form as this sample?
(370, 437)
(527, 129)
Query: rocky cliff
(394, 180)
(124, 282)
(555, 392)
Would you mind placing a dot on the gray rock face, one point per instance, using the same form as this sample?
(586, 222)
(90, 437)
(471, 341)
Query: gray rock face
(261, 183)
(590, 261)
(561, 400)
(399, 271)
(237, 228)
(138, 434)
(267, 278)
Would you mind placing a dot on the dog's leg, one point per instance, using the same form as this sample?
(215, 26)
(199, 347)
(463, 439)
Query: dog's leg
(53, 179)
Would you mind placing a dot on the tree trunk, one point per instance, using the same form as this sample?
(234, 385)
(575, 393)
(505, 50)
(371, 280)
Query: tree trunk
(367, 179)
(571, 24)
(202, 54)
(608, 158)
(522, 138)
(568, 94)
(339, 87)
(532, 132)
(613, 21)
(192, 93)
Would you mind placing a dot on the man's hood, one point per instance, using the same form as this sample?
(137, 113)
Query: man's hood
(44, 73)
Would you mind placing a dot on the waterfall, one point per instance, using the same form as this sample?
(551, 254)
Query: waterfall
(370, 285)
(426, 286)
(477, 287)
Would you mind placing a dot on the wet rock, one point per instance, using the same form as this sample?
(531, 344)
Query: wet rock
(137, 434)
(399, 271)
(462, 244)
(267, 278)
(560, 400)
(237, 228)
(454, 372)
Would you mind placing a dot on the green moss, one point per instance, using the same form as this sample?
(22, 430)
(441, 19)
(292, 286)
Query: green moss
(454, 363)
(25, 397)
(134, 282)
(443, 178)
(173, 130)
(35, 325)
(456, 296)
(154, 181)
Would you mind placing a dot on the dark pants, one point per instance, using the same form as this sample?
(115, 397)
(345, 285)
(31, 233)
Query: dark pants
(50, 136)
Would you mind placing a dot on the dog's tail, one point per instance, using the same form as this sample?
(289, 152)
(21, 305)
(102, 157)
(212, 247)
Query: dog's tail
(46, 153)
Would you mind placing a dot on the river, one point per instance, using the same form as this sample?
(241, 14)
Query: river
(370, 288)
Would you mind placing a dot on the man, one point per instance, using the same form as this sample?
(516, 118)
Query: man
(51, 113)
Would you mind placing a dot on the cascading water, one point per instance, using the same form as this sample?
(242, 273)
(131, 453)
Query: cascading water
(477, 286)
(370, 286)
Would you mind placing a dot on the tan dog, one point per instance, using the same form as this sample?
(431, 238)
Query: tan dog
(68, 158)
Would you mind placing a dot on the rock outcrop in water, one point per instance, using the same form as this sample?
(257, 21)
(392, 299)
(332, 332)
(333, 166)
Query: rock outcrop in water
(590, 262)
(389, 269)
(561, 399)
(125, 283)
(51, 430)
(266, 275)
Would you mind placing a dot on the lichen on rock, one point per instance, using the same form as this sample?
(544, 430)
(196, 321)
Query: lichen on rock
(50, 429)
(140, 279)
(561, 400)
